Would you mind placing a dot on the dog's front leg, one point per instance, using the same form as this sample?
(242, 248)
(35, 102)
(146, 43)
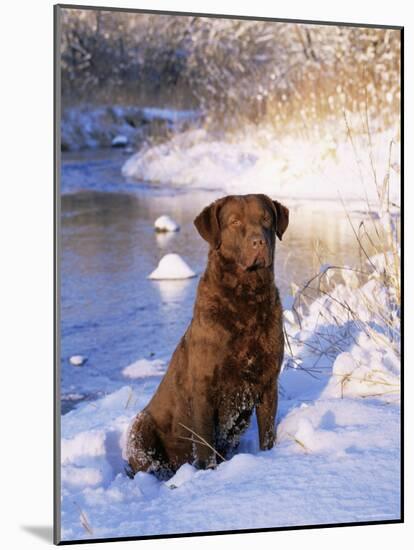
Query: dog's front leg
(203, 427)
(266, 415)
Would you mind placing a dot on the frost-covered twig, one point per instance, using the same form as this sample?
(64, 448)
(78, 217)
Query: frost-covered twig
(200, 440)
(84, 520)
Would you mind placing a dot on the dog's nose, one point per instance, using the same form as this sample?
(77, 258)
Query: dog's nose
(257, 241)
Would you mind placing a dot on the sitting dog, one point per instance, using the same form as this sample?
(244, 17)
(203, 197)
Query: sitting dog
(228, 361)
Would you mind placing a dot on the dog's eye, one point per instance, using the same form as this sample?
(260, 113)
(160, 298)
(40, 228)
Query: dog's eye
(235, 223)
(267, 220)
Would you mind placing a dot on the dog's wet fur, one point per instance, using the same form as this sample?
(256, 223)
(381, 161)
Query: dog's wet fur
(228, 361)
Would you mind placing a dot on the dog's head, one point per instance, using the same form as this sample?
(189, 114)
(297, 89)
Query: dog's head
(243, 228)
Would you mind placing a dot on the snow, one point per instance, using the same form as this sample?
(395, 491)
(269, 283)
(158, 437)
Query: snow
(144, 368)
(257, 161)
(172, 266)
(81, 477)
(182, 476)
(165, 223)
(337, 456)
(336, 460)
(364, 373)
(83, 444)
(72, 396)
(77, 360)
(119, 141)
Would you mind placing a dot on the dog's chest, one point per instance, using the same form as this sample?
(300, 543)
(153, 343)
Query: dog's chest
(249, 338)
(251, 352)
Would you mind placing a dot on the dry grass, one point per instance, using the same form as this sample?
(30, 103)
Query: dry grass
(377, 238)
(298, 442)
(84, 520)
(200, 440)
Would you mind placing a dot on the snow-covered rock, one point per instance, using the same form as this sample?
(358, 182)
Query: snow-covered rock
(172, 266)
(77, 360)
(119, 141)
(166, 224)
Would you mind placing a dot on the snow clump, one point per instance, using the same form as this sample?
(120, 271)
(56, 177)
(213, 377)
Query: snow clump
(172, 266)
(166, 224)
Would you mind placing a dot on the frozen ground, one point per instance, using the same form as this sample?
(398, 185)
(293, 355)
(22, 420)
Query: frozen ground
(257, 161)
(337, 457)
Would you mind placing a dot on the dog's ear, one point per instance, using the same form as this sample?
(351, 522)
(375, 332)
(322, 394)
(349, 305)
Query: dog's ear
(281, 215)
(282, 218)
(208, 225)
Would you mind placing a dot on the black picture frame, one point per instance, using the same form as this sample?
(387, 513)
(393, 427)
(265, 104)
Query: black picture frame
(56, 269)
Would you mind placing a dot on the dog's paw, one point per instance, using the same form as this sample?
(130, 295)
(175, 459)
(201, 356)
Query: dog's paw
(268, 442)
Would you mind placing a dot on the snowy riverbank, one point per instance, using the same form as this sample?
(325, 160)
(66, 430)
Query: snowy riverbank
(337, 457)
(291, 168)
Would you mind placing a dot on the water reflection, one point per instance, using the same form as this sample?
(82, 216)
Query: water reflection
(171, 291)
(164, 239)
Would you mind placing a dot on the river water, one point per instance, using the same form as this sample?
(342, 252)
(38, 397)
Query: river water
(110, 312)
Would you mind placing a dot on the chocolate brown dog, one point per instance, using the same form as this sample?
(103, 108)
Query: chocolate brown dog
(228, 361)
